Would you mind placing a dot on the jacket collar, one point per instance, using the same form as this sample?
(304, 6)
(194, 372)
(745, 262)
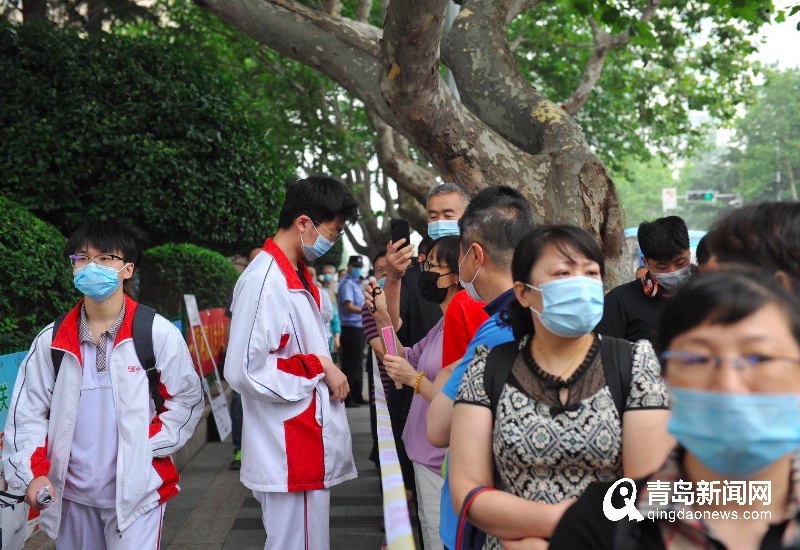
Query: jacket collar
(289, 273)
(66, 339)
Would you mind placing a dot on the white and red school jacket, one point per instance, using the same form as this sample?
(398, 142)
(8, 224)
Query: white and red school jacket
(43, 412)
(294, 437)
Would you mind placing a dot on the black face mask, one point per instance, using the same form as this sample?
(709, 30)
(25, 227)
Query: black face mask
(428, 289)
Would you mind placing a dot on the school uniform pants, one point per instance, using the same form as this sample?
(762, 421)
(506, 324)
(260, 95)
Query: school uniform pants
(296, 521)
(89, 528)
(429, 495)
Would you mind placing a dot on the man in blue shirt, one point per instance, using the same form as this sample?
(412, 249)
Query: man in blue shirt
(351, 299)
(500, 217)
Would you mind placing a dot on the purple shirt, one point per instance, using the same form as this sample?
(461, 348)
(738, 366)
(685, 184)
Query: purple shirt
(426, 357)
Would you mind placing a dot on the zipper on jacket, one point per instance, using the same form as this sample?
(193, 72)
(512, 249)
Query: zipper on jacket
(120, 462)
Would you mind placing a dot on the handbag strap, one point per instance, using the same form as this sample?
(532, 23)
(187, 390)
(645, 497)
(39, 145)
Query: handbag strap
(462, 516)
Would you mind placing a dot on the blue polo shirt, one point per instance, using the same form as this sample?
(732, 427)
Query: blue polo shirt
(350, 291)
(490, 334)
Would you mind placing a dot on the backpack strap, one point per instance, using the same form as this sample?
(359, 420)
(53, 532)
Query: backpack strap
(498, 367)
(143, 319)
(617, 355)
(57, 355)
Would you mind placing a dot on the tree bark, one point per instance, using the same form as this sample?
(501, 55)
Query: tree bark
(504, 132)
(34, 9)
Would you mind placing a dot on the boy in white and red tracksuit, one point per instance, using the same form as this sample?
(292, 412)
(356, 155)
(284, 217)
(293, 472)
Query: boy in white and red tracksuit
(296, 439)
(90, 436)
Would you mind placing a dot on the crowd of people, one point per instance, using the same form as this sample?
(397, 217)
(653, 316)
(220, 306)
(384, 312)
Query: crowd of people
(531, 405)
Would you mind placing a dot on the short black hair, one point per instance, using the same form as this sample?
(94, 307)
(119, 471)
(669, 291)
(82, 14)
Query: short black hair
(446, 250)
(110, 235)
(702, 252)
(724, 298)
(321, 198)
(664, 238)
(497, 218)
(378, 256)
(424, 245)
(528, 252)
(766, 235)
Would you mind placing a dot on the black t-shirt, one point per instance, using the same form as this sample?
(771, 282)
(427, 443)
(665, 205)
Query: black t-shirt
(419, 316)
(630, 314)
(585, 526)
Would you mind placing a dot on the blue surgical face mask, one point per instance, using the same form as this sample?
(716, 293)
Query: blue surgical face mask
(443, 228)
(381, 282)
(572, 306)
(328, 277)
(735, 434)
(96, 282)
(320, 247)
(355, 272)
(469, 286)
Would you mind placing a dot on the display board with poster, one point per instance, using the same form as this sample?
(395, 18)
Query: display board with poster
(219, 406)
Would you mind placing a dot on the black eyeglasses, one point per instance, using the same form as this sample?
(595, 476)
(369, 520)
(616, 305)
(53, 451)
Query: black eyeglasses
(105, 260)
(427, 266)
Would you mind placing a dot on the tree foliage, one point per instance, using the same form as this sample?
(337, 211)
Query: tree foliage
(768, 140)
(135, 128)
(661, 61)
(171, 270)
(35, 277)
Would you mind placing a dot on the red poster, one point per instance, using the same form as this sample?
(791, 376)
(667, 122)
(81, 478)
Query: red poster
(214, 323)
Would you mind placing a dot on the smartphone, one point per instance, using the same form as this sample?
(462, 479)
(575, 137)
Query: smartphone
(400, 230)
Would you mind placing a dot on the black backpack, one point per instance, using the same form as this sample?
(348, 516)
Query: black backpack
(617, 357)
(143, 343)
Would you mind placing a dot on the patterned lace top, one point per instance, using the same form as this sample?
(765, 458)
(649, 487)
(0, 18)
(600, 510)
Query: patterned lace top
(549, 451)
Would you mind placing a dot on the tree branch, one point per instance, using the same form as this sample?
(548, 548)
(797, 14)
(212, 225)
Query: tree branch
(491, 85)
(363, 11)
(461, 147)
(333, 7)
(344, 50)
(603, 43)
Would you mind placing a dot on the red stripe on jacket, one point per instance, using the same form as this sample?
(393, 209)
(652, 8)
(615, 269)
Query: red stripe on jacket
(305, 455)
(40, 466)
(306, 365)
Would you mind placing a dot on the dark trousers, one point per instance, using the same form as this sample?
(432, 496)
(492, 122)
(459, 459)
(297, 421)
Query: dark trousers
(236, 421)
(352, 346)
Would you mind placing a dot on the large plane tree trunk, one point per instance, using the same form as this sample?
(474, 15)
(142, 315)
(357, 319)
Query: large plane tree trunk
(501, 130)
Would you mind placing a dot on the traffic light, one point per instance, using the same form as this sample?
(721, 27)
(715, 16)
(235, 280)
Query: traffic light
(700, 196)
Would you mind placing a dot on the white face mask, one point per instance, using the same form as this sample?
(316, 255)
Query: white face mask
(468, 286)
(673, 280)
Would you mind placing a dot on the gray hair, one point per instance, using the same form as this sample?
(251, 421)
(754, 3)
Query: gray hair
(447, 188)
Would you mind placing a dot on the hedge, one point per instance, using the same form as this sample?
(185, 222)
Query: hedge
(169, 271)
(35, 277)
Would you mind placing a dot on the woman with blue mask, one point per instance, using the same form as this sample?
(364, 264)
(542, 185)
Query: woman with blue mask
(542, 417)
(730, 346)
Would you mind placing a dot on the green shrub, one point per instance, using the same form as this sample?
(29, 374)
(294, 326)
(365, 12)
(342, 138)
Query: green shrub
(138, 129)
(169, 271)
(35, 277)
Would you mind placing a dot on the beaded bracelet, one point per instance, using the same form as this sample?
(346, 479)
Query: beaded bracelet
(417, 381)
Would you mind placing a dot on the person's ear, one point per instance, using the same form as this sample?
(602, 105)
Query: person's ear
(301, 223)
(127, 271)
(520, 290)
(480, 253)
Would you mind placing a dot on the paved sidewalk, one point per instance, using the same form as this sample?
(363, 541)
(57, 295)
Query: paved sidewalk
(214, 511)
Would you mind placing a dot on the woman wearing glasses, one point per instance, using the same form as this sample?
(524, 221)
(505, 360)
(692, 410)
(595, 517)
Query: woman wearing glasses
(730, 346)
(417, 367)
